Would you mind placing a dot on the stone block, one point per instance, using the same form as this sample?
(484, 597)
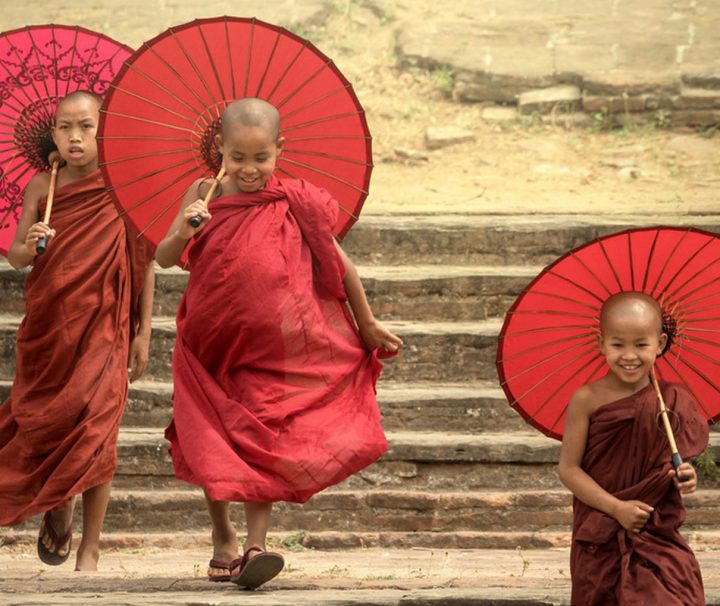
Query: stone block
(437, 137)
(557, 98)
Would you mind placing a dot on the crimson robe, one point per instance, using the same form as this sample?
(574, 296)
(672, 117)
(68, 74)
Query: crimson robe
(274, 390)
(627, 454)
(59, 427)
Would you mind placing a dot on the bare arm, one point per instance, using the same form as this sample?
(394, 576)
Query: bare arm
(171, 248)
(632, 515)
(22, 251)
(139, 353)
(373, 333)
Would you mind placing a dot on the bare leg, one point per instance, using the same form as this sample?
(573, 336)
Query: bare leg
(61, 520)
(95, 502)
(225, 543)
(257, 517)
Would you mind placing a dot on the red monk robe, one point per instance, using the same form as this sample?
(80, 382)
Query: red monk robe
(59, 427)
(274, 390)
(628, 455)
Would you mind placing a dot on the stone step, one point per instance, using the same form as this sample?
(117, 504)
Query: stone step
(435, 351)
(454, 407)
(418, 461)
(410, 292)
(491, 239)
(382, 510)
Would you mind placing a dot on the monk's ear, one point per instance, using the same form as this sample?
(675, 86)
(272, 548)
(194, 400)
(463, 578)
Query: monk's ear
(662, 342)
(279, 144)
(219, 142)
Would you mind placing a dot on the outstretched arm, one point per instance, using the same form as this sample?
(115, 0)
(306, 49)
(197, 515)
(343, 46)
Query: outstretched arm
(631, 515)
(140, 346)
(373, 333)
(169, 251)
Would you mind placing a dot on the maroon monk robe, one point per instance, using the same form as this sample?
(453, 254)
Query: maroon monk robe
(274, 390)
(628, 455)
(59, 427)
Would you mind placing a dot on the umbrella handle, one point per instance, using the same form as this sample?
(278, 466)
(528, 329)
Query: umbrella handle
(197, 220)
(41, 246)
(675, 455)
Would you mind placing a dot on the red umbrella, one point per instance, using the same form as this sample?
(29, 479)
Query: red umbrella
(548, 344)
(39, 65)
(160, 118)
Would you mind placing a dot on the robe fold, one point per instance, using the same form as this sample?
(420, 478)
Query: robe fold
(628, 455)
(274, 390)
(59, 426)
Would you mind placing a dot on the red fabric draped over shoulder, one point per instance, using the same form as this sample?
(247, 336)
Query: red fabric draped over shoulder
(59, 427)
(274, 389)
(629, 456)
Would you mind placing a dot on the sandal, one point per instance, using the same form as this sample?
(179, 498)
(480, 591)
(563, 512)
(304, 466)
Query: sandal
(222, 565)
(51, 558)
(258, 570)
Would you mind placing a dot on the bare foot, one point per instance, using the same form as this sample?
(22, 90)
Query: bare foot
(87, 557)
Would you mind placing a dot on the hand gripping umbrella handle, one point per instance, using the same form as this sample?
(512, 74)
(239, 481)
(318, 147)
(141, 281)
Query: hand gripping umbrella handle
(197, 220)
(42, 243)
(675, 455)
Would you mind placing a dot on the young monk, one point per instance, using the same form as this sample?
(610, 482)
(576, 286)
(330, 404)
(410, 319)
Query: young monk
(274, 383)
(87, 319)
(627, 511)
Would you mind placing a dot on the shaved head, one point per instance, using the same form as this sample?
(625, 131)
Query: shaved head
(77, 95)
(253, 113)
(631, 306)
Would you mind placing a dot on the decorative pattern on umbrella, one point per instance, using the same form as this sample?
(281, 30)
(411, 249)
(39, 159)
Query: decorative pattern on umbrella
(160, 119)
(548, 345)
(39, 65)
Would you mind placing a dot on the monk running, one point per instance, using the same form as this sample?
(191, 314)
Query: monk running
(628, 508)
(274, 382)
(87, 319)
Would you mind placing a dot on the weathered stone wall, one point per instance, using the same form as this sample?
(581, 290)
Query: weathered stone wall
(612, 56)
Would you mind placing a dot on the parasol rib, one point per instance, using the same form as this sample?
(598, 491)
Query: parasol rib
(197, 70)
(267, 65)
(534, 348)
(166, 90)
(302, 84)
(325, 173)
(288, 67)
(667, 261)
(650, 258)
(332, 93)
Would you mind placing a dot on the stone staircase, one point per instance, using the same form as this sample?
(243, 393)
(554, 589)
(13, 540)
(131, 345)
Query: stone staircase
(463, 469)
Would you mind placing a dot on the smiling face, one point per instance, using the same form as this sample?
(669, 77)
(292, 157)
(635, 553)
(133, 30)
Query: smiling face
(76, 122)
(631, 338)
(250, 154)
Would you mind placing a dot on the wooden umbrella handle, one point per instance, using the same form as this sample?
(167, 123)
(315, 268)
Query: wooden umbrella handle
(42, 243)
(197, 220)
(675, 455)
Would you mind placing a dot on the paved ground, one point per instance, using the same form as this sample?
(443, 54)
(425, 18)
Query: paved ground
(369, 576)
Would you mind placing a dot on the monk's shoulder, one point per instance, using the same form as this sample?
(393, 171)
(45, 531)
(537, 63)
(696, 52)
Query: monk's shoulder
(584, 400)
(38, 184)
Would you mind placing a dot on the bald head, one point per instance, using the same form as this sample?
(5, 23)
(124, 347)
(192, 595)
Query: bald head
(635, 307)
(78, 95)
(251, 112)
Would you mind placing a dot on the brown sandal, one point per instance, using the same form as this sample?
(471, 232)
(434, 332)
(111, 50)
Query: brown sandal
(51, 558)
(258, 570)
(222, 565)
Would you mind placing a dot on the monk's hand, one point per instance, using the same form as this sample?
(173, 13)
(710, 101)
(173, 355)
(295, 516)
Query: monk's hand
(138, 357)
(375, 335)
(689, 475)
(633, 515)
(196, 209)
(37, 230)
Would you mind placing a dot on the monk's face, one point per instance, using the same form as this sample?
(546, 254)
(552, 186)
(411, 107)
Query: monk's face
(250, 154)
(76, 122)
(631, 339)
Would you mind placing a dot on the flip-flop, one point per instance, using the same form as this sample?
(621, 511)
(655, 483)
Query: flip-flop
(51, 558)
(258, 570)
(222, 565)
